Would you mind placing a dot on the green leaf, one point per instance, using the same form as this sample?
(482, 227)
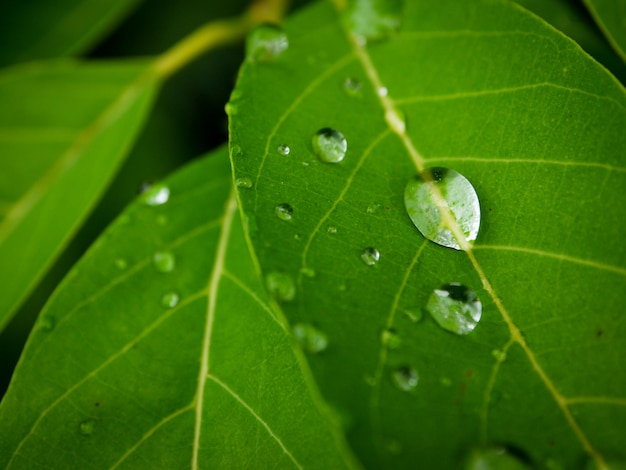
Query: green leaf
(537, 127)
(40, 29)
(138, 364)
(573, 21)
(64, 129)
(611, 18)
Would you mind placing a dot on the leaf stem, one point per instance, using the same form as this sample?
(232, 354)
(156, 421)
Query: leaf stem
(218, 33)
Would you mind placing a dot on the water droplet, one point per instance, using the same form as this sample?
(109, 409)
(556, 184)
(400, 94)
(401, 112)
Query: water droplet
(445, 381)
(413, 314)
(390, 338)
(245, 183)
(393, 447)
(86, 427)
(231, 108)
(493, 458)
(310, 338)
(164, 261)
(374, 19)
(162, 219)
(370, 256)
(170, 300)
(455, 308)
(382, 91)
(265, 43)
(405, 378)
(331, 230)
(438, 193)
(352, 86)
(156, 195)
(121, 263)
(308, 272)
(280, 286)
(499, 355)
(284, 211)
(46, 323)
(305, 163)
(373, 208)
(329, 145)
(283, 149)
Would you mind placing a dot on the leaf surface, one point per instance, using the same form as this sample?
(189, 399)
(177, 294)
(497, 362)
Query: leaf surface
(64, 129)
(537, 127)
(117, 375)
(611, 17)
(40, 29)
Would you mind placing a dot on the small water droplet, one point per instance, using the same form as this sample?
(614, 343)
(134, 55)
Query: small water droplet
(86, 427)
(245, 183)
(438, 191)
(162, 219)
(393, 447)
(373, 208)
(370, 256)
(231, 108)
(284, 211)
(164, 261)
(305, 164)
(308, 272)
(283, 149)
(280, 286)
(390, 338)
(170, 300)
(329, 145)
(331, 230)
(121, 263)
(265, 43)
(310, 338)
(445, 381)
(499, 355)
(413, 314)
(382, 91)
(297, 236)
(352, 86)
(405, 378)
(493, 458)
(455, 308)
(374, 19)
(156, 195)
(46, 323)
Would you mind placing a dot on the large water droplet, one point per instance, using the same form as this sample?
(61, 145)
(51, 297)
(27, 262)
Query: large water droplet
(265, 43)
(245, 183)
(329, 145)
(164, 261)
(370, 256)
(455, 308)
(170, 300)
(86, 427)
(374, 19)
(280, 286)
(284, 211)
(156, 195)
(440, 193)
(283, 149)
(493, 458)
(352, 86)
(405, 378)
(310, 338)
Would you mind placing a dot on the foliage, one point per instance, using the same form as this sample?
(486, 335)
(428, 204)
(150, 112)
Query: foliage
(315, 326)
